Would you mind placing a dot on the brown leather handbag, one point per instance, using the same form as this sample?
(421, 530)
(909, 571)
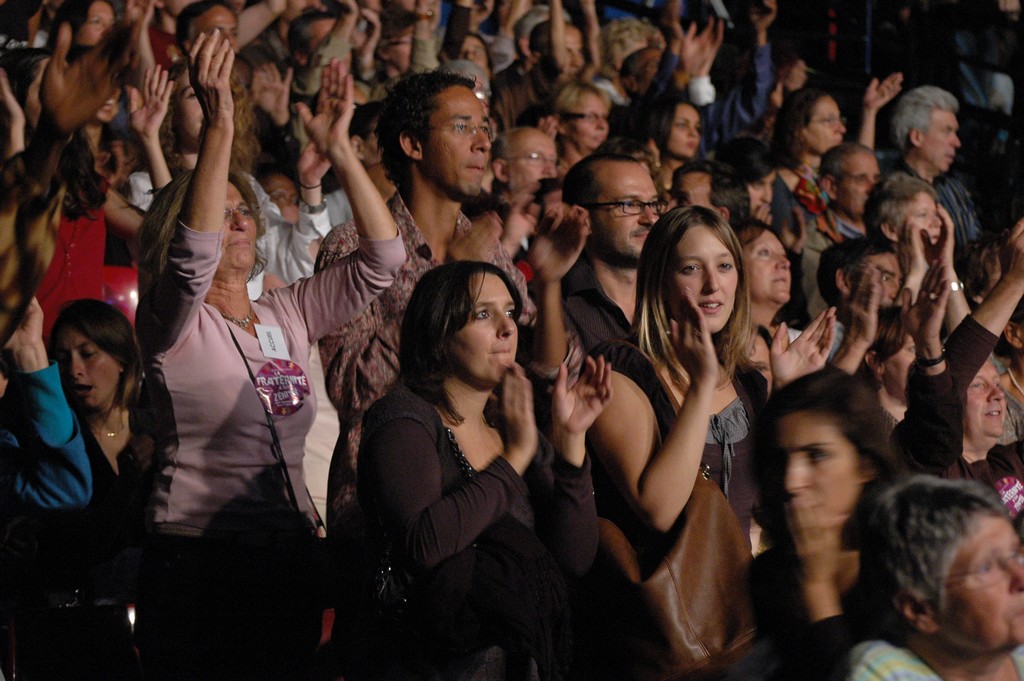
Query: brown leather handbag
(690, 617)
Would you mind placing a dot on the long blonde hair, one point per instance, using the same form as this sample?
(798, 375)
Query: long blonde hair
(657, 264)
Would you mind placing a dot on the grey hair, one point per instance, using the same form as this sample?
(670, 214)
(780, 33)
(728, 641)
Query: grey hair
(914, 112)
(912, 529)
(888, 202)
(832, 160)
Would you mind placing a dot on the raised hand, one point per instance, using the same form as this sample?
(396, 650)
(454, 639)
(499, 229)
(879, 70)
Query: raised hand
(209, 73)
(328, 129)
(26, 343)
(808, 353)
(562, 235)
(878, 94)
(922, 318)
(575, 409)
(13, 117)
(148, 108)
(520, 426)
(794, 232)
(72, 92)
(693, 344)
(761, 18)
(864, 304)
(698, 50)
(272, 92)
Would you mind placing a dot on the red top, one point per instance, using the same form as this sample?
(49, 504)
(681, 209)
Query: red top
(77, 267)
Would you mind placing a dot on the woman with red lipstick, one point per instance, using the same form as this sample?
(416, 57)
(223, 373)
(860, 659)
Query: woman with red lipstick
(475, 515)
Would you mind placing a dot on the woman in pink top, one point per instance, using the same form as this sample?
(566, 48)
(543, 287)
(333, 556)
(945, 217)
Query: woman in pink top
(228, 587)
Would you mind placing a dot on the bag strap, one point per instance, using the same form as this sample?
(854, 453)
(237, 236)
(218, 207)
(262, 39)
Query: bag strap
(278, 452)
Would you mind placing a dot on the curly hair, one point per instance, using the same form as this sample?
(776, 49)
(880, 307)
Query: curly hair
(617, 37)
(407, 109)
(245, 147)
(794, 116)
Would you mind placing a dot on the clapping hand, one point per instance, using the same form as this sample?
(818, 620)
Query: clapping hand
(808, 353)
(574, 410)
(520, 426)
(562, 235)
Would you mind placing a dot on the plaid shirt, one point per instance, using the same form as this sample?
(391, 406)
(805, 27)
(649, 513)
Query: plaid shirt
(361, 358)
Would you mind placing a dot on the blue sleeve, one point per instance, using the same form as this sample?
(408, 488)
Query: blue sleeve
(51, 471)
(742, 106)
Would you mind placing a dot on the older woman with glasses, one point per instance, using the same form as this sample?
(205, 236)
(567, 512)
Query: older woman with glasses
(947, 565)
(582, 111)
(229, 583)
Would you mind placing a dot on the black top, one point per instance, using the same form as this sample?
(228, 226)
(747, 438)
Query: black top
(752, 389)
(592, 314)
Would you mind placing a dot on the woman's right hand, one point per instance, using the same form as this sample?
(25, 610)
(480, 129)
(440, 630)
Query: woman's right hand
(520, 426)
(922, 317)
(209, 73)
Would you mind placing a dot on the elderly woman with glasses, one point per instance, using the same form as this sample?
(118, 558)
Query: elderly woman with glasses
(947, 565)
(229, 580)
(582, 110)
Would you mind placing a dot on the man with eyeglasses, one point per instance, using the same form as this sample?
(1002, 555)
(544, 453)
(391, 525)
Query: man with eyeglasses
(435, 143)
(848, 174)
(924, 129)
(622, 205)
(944, 555)
(521, 158)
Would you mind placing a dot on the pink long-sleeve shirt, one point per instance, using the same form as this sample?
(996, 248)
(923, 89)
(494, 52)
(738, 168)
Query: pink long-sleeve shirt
(215, 468)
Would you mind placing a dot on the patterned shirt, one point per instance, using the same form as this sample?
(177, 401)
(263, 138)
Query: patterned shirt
(880, 661)
(954, 197)
(360, 359)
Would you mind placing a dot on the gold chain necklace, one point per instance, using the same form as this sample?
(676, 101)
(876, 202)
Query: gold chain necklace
(1013, 379)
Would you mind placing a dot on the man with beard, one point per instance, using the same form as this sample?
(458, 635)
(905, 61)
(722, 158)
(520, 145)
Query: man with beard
(622, 205)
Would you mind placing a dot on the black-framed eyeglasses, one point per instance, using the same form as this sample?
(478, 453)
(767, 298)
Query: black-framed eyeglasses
(631, 206)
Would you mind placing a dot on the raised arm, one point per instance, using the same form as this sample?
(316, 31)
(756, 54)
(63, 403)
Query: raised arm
(328, 131)
(656, 477)
(51, 471)
(877, 95)
(148, 108)
(209, 72)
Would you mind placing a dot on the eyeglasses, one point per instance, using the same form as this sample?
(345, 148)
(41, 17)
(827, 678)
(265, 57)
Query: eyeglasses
(994, 567)
(589, 117)
(830, 121)
(243, 212)
(536, 157)
(631, 206)
(464, 129)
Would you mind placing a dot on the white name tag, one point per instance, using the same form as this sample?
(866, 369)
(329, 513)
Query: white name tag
(272, 342)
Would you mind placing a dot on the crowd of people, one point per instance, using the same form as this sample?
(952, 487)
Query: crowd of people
(494, 340)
